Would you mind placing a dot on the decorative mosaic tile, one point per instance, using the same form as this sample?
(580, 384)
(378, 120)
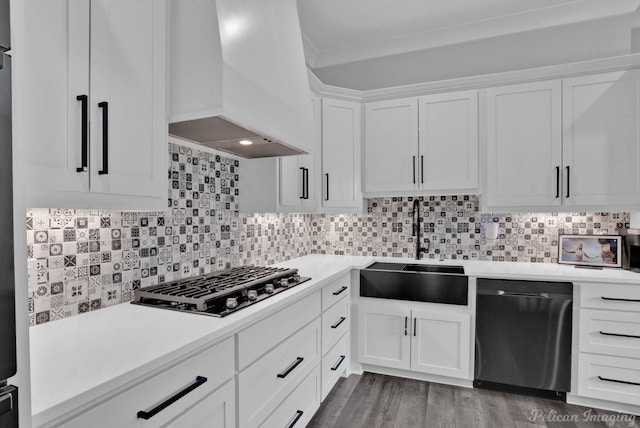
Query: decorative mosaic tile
(84, 260)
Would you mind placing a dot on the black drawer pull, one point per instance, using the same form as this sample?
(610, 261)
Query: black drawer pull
(619, 335)
(415, 328)
(296, 418)
(340, 321)
(105, 137)
(414, 170)
(142, 414)
(620, 300)
(406, 319)
(84, 129)
(335, 293)
(289, 369)
(327, 175)
(568, 181)
(557, 181)
(342, 357)
(619, 381)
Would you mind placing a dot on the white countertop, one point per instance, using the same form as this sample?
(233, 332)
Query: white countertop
(78, 360)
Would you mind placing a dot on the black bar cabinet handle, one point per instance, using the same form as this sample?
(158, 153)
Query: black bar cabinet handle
(342, 357)
(340, 321)
(289, 369)
(568, 180)
(342, 289)
(415, 321)
(619, 381)
(142, 414)
(406, 320)
(327, 175)
(296, 418)
(302, 175)
(620, 300)
(306, 182)
(604, 333)
(414, 170)
(557, 181)
(105, 137)
(422, 169)
(84, 129)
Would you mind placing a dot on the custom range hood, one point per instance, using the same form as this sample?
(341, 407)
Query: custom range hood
(237, 74)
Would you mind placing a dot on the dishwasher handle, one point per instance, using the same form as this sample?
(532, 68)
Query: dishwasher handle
(502, 293)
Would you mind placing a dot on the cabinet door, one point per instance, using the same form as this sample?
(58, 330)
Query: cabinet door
(601, 140)
(384, 337)
(341, 131)
(128, 61)
(217, 410)
(391, 145)
(55, 69)
(441, 343)
(524, 145)
(449, 141)
(291, 186)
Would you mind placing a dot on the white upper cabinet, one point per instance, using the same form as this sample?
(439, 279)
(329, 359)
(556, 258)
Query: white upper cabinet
(298, 175)
(524, 136)
(570, 143)
(601, 139)
(341, 140)
(449, 141)
(93, 114)
(422, 145)
(391, 145)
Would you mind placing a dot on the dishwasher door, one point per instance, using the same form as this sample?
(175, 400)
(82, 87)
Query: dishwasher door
(523, 334)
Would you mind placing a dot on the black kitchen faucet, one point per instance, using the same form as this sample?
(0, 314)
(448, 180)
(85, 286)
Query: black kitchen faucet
(417, 230)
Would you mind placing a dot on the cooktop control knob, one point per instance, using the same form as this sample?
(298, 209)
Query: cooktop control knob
(268, 288)
(294, 278)
(252, 295)
(284, 282)
(232, 302)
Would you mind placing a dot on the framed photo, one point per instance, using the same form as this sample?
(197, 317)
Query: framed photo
(590, 250)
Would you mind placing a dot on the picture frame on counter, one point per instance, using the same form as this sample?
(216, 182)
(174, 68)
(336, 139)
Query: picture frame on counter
(590, 250)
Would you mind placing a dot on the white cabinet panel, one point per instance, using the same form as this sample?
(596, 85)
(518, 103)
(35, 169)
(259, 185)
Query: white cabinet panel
(448, 141)
(524, 151)
(217, 410)
(441, 343)
(609, 378)
(610, 332)
(334, 364)
(86, 62)
(383, 337)
(341, 139)
(601, 140)
(391, 145)
(335, 323)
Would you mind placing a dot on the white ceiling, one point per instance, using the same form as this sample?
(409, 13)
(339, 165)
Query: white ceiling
(344, 31)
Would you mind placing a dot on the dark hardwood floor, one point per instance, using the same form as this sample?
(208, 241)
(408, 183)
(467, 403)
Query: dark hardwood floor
(378, 401)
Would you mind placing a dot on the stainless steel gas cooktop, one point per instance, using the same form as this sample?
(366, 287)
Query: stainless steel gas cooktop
(219, 293)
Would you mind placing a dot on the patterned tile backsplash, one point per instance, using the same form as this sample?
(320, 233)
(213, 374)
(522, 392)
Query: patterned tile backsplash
(84, 260)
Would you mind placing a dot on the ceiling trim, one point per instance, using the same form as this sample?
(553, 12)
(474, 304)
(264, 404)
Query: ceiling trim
(568, 13)
(477, 82)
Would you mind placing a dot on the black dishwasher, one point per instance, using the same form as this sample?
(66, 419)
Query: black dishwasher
(523, 336)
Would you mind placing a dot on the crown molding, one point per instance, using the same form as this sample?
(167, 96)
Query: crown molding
(477, 82)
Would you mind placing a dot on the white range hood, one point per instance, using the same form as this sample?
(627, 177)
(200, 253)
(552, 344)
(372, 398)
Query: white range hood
(237, 72)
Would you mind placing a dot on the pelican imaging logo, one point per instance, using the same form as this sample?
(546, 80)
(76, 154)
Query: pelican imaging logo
(589, 415)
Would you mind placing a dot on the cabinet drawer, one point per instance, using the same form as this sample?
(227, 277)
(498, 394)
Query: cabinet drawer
(264, 384)
(621, 297)
(254, 341)
(298, 409)
(610, 332)
(335, 291)
(334, 365)
(216, 364)
(335, 323)
(609, 378)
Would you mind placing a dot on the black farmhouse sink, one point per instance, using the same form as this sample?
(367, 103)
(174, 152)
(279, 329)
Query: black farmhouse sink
(415, 282)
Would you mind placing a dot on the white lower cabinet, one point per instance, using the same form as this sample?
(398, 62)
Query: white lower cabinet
(334, 364)
(609, 344)
(298, 409)
(216, 410)
(426, 341)
(268, 381)
(143, 405)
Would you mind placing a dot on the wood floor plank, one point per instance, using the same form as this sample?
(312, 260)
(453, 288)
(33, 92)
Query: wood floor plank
(378, 401)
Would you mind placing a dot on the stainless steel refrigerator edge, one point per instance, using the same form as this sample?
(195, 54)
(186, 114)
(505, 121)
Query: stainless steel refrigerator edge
(8, 393)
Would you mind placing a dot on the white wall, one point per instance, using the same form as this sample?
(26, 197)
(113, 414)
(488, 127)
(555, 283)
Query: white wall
(564, 44)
